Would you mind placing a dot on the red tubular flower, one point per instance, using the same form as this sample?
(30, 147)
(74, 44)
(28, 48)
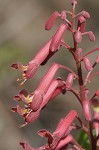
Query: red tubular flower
(66, 140)
(44, 85)
(30, 118)
(63, 127)
(61, 136)
(56, 40)
(61, 145)
(47, 89)
(56, 87)
(50, 22)
(40, 58)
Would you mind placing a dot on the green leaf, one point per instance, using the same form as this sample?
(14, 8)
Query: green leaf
(83, 140)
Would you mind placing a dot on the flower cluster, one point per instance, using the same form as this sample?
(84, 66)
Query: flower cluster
(50, 87)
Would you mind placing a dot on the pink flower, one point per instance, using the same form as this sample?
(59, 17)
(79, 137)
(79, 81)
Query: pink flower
(56, 87)
(63, 127)
(56, 40)
(50, 94)
(40, 58)
(61, 136)
(44, 85)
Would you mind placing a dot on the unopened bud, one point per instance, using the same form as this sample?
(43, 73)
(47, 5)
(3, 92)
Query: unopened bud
(78, 37)
(88, 64)
(69, 80)
(81, 19)
(74, 2)
(50, 22)
(63, 14)
(86, 14)
(86, 109)
(81, 24)
(91, 36)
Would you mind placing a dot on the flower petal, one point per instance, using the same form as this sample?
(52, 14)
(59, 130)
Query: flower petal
(56, 40)
(30, 118)
(26, 146)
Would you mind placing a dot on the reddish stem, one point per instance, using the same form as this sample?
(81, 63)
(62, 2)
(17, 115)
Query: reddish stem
(82, 87)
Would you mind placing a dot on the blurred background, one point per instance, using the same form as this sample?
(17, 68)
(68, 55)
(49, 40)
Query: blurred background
(22, 34)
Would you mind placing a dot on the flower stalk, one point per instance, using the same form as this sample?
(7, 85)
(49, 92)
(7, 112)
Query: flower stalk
(50, 87)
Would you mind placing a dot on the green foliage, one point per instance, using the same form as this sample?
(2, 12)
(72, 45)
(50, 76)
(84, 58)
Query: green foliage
(83, 140)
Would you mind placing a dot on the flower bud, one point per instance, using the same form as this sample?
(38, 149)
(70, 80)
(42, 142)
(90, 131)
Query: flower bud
(63, 15)
(81, 19)
(78, 36)
(87, 64)
(81, 24)
(55, 43)
(74, 2)
(50, 22)
(86, 14)
(69, 80)
(86, 109)
(91, 36)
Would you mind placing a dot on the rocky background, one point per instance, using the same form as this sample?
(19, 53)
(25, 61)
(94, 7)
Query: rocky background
(22, 34)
